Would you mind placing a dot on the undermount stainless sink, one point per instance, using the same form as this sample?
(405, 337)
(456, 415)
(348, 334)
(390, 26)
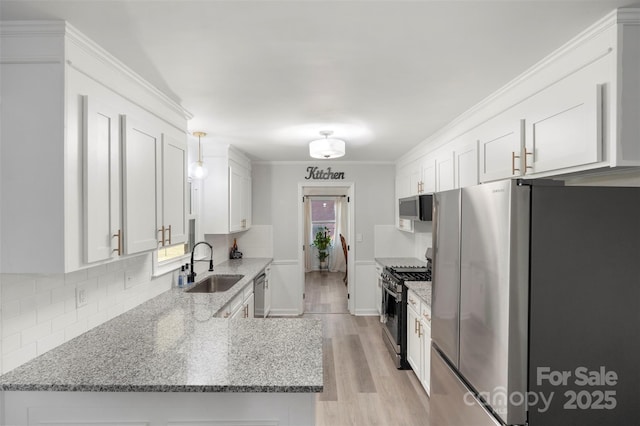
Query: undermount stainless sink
(215, 283)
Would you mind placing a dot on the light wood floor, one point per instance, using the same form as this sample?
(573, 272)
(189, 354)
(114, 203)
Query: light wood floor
(325, 292)
(361, 384)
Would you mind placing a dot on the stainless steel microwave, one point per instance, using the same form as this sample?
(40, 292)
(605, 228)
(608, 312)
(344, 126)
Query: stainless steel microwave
(417, 207)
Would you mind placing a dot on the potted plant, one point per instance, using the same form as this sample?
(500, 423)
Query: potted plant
(322, 241)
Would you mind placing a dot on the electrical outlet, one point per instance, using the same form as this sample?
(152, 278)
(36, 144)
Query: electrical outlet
(81, 296)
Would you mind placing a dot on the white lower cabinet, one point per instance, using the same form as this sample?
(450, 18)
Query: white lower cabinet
(267, 291)
(241, 306)
(419, 338)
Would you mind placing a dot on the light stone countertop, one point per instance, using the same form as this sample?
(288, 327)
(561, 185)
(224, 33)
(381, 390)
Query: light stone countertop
(173, 343)
(422, 289)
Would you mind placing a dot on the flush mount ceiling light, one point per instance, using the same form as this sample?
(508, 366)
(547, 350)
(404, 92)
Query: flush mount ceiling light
(197, 170)
(326, 148)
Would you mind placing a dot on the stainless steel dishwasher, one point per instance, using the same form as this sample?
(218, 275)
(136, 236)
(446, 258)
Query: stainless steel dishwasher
(258, 294)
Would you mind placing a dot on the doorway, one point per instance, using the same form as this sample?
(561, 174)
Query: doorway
(326, 270)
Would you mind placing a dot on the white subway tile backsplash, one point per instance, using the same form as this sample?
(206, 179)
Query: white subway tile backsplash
(49, 312)
(36, 332)
(19, 323)
(75, 329)
(63, 294)
(87, 310)
(39, 312)
(16, 290)
(98, 318)
(49, 282)
(49, 342)
(18, 357)
(63, 321)
(10, 309)
(11, 343)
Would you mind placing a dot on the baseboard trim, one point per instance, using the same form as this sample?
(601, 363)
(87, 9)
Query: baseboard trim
(366, 312)
(284, 313)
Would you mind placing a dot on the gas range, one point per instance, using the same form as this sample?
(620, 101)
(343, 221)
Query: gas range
(394, 308)
(397, 275)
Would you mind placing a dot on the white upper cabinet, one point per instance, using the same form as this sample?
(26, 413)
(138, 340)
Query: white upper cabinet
(173, 210)
(445, 172)
(575, 111)
(564, 122)
(93, 138)
(428, 169)
(141, 150)
(239, 197)
(226, 191)
(466, 164)
(101, 176)
(500, 142)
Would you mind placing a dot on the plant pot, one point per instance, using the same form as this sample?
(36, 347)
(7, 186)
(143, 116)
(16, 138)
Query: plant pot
(323, 264)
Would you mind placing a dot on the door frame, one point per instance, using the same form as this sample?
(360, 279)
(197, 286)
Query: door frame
(351, 253)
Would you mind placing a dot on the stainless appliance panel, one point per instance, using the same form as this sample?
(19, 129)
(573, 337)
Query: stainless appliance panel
(493, 293)
(446, 273)
(585, 303)
(452, 403)
(409, 208)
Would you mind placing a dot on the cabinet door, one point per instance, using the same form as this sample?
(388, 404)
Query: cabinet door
(250, 304)
(174, 179)
(500, 145)
(141, 149)
(445, 173)
(239, 202)
(413, 340)
(267, 293)
(564, 125)
(101, 181)
(428, 176)
(466, 165)
(425, 378)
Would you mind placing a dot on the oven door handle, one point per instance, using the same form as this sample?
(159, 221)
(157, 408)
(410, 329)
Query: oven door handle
(391, 293)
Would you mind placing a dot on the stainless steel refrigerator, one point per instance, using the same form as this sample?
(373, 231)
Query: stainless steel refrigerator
(536, 305)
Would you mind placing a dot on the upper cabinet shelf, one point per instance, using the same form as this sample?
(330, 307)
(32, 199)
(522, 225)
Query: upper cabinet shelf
(93, 157)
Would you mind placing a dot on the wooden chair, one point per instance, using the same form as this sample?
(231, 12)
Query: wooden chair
(346, 259)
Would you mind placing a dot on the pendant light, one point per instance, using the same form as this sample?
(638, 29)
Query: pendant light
(197, 170)
(326, 148)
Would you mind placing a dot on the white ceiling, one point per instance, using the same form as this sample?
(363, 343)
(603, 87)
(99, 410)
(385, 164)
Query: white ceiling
(267, 76)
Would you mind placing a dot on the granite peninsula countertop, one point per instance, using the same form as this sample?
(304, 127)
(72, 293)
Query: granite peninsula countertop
(422, 289)
(174, 343)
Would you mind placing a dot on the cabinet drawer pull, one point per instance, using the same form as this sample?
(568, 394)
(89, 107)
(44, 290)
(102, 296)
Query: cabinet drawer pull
(513, 162)
(526, 166)
(169, 239)
(118, 235)
(161, 240)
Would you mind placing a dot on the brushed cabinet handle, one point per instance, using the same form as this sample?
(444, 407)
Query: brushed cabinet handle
(513, 162)
(161, 240)
(168, 229)
(118, 235)
(526, 166)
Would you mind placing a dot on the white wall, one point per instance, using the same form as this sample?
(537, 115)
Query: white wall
(275, 202)
(38, 311)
